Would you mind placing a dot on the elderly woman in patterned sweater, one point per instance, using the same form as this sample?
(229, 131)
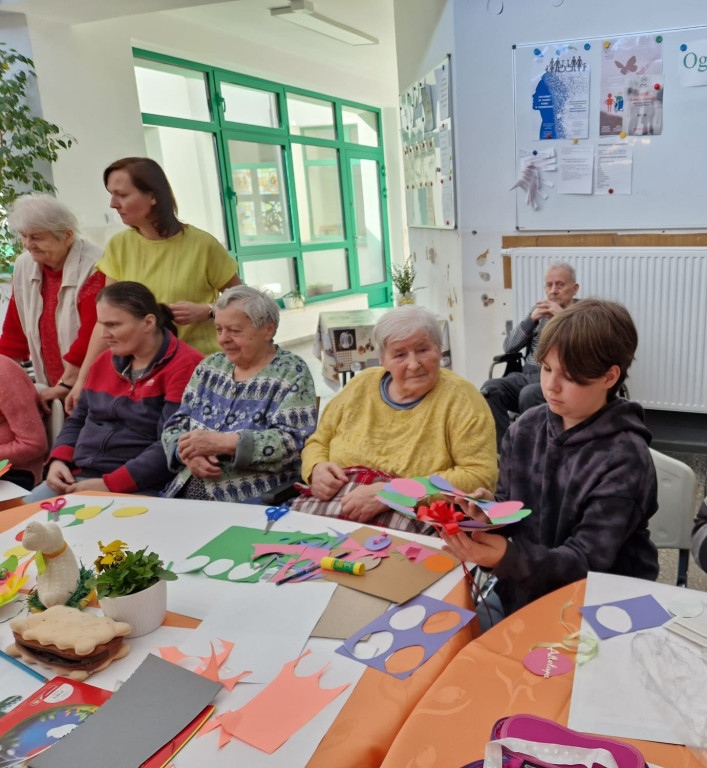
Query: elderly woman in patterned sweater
(246, 412)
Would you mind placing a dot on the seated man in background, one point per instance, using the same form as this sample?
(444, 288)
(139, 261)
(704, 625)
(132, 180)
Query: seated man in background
(407, 418)
(699, 537)
(581, 463)
(521, 390)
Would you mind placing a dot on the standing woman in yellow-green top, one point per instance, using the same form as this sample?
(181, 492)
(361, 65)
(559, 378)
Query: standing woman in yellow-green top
(183, 266)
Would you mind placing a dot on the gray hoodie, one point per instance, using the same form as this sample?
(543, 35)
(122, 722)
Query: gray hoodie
(592, 489)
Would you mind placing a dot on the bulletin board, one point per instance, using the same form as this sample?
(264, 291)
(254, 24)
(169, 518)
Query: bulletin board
(428, 153)
(610, 132)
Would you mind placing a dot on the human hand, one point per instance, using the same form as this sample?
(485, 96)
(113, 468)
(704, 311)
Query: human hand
(484, 549)
(472, 510)
(205, 442)
(60, 478)
(541, 309)
(361, 504)
(72, 399)
(327, 479)
(187, 312)
(94, 484)
(204, 467)
(51, 393)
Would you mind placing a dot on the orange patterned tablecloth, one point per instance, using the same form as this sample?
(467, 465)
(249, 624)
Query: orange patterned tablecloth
(487, 680)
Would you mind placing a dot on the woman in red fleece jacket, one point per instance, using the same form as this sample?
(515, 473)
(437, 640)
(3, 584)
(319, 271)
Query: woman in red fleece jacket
(111, 442)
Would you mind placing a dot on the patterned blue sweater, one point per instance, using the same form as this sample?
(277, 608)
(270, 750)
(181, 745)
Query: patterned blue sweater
(274, 412)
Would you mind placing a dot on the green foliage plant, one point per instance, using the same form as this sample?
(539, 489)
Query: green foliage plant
(121, 572)
(404, 277)
(25, 141)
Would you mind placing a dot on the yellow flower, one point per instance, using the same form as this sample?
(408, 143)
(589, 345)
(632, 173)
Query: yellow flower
(112, 555)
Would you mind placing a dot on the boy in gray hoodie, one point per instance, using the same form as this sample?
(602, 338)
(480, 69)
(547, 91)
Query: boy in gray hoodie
(581, 463)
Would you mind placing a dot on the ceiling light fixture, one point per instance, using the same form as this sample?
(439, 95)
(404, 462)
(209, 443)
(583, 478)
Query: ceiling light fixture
(302, 13)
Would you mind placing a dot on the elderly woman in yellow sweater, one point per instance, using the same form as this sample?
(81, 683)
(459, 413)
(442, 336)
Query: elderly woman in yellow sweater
(407, 418)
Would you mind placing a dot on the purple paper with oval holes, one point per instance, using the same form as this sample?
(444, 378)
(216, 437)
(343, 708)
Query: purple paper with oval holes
(405, 638)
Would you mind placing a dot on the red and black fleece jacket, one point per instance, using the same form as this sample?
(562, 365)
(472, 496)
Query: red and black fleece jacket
(116, 427)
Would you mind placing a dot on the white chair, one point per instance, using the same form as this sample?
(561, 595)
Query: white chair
(671, 526)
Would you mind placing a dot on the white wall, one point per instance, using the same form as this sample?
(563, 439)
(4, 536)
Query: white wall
(87, 86)
(480, 43)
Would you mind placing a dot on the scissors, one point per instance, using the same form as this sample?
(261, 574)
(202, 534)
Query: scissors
(273, 514)
(53, 507)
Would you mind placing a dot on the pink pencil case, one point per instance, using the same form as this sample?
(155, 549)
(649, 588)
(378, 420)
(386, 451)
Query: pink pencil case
(528, 741)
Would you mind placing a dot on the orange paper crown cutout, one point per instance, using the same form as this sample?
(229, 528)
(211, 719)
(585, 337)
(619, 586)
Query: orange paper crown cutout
(269, 719)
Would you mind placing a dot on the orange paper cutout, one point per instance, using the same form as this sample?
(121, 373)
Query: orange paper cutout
(269, 719)
(210, 665)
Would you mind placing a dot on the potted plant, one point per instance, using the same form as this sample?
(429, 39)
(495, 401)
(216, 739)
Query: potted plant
(293, 300)
(132, 586)
(403, 279)
(27, 142)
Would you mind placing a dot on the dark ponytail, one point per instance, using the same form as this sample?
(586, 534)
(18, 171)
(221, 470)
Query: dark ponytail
(139, 301)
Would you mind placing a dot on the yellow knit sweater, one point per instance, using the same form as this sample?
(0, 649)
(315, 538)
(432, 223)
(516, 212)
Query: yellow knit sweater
(451, 432)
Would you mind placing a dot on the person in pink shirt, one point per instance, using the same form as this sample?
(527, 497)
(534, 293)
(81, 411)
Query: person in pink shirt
(23, 440)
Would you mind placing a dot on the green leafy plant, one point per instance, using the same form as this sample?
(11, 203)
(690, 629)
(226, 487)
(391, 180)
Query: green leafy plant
(26, 140)
(295, 294)
(121, 572)
(404, 277)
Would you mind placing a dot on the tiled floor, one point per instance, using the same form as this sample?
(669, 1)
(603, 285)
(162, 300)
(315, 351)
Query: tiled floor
(668, 558)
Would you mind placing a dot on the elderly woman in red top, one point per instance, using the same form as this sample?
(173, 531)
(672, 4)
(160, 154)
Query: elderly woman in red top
(53, 306)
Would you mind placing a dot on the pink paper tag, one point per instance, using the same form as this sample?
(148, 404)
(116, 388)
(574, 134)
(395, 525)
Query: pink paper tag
(547, 662)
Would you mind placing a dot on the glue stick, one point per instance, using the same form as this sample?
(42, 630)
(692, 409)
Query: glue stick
(345, 566)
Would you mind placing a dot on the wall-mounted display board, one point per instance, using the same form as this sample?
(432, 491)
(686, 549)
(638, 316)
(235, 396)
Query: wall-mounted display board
(610, 132)
(428, 150)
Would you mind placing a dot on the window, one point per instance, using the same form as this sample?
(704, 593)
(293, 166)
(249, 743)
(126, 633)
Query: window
(291, 182)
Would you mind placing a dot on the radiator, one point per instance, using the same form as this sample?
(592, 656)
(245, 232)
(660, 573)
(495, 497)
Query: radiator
(665, 290)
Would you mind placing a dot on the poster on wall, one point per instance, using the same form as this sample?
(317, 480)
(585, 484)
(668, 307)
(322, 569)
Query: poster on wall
(631, 99)
(428, 150)
(561, 80)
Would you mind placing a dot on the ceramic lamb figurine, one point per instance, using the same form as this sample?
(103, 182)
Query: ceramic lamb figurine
(61, 576)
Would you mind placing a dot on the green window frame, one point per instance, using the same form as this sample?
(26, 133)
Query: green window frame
(219, 81)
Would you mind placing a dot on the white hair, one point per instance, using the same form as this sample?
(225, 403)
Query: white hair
(403, 322)
(258, 306)
(41, 213)
(565, 267)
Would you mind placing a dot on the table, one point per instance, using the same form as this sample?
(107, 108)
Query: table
(369, 720)
(344, 341)
(486, 681)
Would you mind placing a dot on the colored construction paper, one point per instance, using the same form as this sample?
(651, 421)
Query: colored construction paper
(408, 487)
(116, 735)
(129, 511)
(444, 485)
(209, 666)
(638, 613)
(347, 612)
(396, 579)
(269, 719)
(397, 498)
(405, 634)
(390, 502)
(5, 466)
(9, 491)
(234, 547)
(504, 509)
(268, 624)
(376, 543)
(514, 518)
(547, 662)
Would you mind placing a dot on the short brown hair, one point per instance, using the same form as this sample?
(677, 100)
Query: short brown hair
(148, 176)
(590, 336)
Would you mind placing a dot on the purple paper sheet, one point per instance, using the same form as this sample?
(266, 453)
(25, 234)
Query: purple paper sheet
(404, 638)
(645, 612)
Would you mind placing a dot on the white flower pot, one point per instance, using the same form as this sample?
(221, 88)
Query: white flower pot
(144, 611)
(292, 302)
